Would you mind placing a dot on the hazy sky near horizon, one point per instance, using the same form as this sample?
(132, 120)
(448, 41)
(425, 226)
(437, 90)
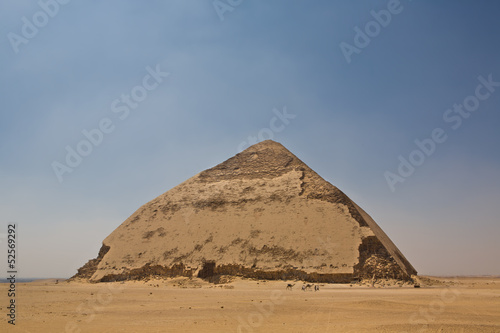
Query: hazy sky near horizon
(356, 113)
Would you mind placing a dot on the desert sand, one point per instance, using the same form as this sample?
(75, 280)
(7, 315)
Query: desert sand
(193, 305)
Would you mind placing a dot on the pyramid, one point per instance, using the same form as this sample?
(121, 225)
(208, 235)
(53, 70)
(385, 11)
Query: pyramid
(261, 214)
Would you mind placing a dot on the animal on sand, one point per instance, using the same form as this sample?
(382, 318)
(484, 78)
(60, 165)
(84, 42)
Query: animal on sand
(307, 286)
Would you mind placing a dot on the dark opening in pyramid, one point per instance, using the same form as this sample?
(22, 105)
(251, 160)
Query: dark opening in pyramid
(261, 214)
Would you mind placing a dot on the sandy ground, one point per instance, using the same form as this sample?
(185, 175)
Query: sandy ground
(182, 305)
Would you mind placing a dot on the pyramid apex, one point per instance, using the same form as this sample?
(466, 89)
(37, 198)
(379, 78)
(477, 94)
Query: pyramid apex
(266, 144)
(266, 159)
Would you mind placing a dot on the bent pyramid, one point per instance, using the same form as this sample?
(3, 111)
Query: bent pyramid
(261, 214)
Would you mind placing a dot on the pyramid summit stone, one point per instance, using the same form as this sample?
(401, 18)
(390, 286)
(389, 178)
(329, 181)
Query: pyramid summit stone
(261, 214)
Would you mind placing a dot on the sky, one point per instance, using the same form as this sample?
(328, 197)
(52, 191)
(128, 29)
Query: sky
(106, 105)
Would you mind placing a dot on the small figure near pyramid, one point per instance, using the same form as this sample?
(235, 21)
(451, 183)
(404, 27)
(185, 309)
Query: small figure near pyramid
(261, 214)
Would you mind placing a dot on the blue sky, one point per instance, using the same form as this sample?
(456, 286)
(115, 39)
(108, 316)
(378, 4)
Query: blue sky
(352, 119)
